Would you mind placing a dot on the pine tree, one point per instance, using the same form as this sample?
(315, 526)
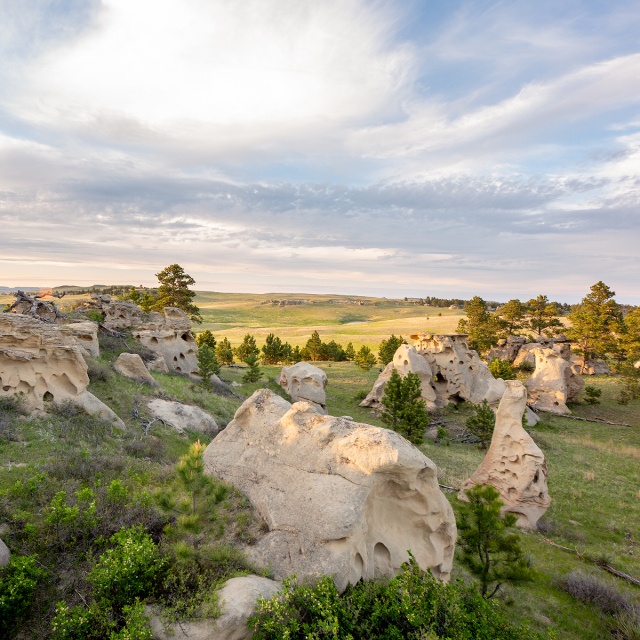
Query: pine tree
(191, 472)
(273, 350)
(350, 352)
(247, 348)
(482, 423)
(314, 347)
(253, 374)
(491, 553)
(542, 316)
(174, 291)
(208, 364)
(224, 352)
(482, 327)
(513, 314)
(206, 337)
(388, 349)
(404, 409)
(365, 358)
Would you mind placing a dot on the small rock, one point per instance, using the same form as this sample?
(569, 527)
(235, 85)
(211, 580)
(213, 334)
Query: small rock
(5, 554)
(130, 365)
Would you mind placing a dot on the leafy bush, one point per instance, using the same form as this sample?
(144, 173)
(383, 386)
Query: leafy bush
(412, 605)
(17, 583)
(502, 369)
(482, 423)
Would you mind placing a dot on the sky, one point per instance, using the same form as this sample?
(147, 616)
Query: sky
(373, 147)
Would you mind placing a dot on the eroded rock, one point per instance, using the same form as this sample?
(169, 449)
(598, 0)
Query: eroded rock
(514, 463)
(507, 349)
(86, 336)
(304, 381)
(582, 367)
(5, 554)
(130, 365)
(182, 416)
(41, 362)
(339, 497)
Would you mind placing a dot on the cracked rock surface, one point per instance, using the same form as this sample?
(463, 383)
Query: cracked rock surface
(339, 497)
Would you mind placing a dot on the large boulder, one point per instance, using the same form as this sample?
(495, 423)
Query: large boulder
(182, 416)
(303, 381)
(237, 601)
(169, 335)
(85, 335)
(119, 314)
(553, 382)
(338, 497)
(514, 463)
(130, 365)
(45, 365)
(582, 367)
(406, 359)
(507, 348)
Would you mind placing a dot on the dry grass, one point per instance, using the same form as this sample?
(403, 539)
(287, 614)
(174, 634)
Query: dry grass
(609, 446)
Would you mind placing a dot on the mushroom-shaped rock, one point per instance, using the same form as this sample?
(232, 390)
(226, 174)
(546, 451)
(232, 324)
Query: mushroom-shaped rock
(182, 416)
(553, 383)
(514, 463)
(237, 601)
(130, 365)
(339, 497)
(85, 335)
(303, 381)
(45, 365)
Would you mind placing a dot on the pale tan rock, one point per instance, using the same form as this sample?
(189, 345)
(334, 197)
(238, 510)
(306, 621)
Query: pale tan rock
(41, 362)
(406, 359)
(120, 314)
(170, 336)
(130, 365)
(514, 463)
(589, 367)
(85, 335)
(553, 383)
(237, 600)
(182, 416)
(339, 497)
(304, 381)
(158, 364)
(5, 554)
(507, 349)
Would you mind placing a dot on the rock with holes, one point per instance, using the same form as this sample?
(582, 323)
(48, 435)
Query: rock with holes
(169, 335)
(39, 361)
(86, 336)
(182, 416)
(338, 497)
(237, 601)
(406, 359)
(514, 463)
(303, 381)
(119, 314)
(553, 382)
(507, 348)
(157, 364)
(5, 554)
(131, 365)
(589, 367)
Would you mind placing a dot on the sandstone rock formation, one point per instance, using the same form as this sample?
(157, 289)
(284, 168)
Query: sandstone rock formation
(130, 365)
(514, 463)
(448, 369)
(589, 367)
(119, 314)
(553, 383)
(304, 381)
(182, 416)
(85, 335)
(507, 349)
(339, 497)
(40, 361)
(5, 554)
(157, 364)
(237, 600)
(169, 335)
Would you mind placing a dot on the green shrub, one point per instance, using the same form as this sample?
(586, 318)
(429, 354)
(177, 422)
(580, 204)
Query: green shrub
(592, 394)
(412, 605)
(17, 583)
(253, 374)
(208, 364)
(404, 409)
(502, 369)
(365, 358)
(388, 349)
(482, 422)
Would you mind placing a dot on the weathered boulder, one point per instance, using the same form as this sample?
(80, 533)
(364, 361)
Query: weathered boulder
(120, 314)
(5, 554)
(507, 349)
(157, 364)
(182, 416)
(130, 365)
(553, 383)
(85, 335)
(406, 359)
(339, 497)
(526, 356)
(582, 367)
(237, 601)
(169, 335)
(41, 362)
(514, 463)
(304, 381)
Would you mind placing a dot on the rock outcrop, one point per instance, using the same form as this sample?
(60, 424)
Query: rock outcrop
(338, 497)
(119, 314)
(514, 463)
(5, 554)
(157, 364)
(448, 369)
(237, 600)
(169, 335)
(40, 361)
(131, 365)
(182, 416)
(553, 383)
(86, 336)
(589, 367)
(507, 349)
(304, 381)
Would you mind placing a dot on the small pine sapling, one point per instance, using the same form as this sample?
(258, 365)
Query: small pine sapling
(592, 394)
(208, 364)
(253, 374)
(404, 409)
(481, 423)
(365, 358)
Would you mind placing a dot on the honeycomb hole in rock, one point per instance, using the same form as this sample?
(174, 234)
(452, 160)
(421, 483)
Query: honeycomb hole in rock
(185, 337)
(178, 369)
(6, 388)
(381, 560)
(48, 396)
(182, 356)
(154, 341)
(439, 378)
(406, 363)
(66, 384)
(358, 568)
(175, 358)
(536, 477)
